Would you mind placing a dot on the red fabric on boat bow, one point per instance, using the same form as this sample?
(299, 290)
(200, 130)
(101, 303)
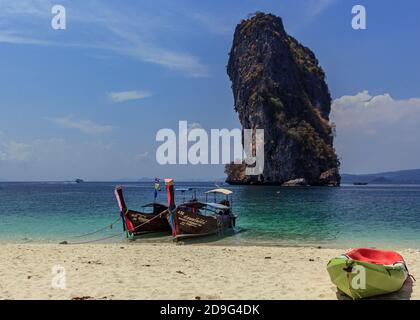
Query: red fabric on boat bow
(375, 256)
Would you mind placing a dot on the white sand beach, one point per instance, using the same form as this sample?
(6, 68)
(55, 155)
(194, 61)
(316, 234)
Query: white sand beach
(169, 271)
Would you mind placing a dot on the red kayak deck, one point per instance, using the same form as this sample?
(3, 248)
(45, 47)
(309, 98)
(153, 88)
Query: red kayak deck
(375, 256)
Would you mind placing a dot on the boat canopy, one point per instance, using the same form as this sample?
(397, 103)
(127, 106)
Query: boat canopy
(184, 189)
(217, 206)
(201, 205)
(222, 191)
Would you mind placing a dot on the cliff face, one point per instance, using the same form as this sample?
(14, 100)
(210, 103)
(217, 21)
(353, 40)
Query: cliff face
(278, 86)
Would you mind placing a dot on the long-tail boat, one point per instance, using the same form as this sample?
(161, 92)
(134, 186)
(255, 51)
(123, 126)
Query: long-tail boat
(197, 219)
(152, 218)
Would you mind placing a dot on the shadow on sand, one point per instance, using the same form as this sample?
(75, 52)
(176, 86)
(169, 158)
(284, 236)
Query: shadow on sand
(212, 238)
(165, 238)
(403, 294)
(152, 238)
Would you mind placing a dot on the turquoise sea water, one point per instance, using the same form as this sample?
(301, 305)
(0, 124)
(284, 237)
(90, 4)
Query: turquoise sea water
(349, 216)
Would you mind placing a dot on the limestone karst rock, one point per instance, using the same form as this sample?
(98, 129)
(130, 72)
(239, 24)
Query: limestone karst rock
(279, 86)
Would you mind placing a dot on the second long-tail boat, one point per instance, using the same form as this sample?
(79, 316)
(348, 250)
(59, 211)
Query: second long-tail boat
(197, 219)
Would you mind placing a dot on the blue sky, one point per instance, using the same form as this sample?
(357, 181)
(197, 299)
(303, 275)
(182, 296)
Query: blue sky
(87, 101)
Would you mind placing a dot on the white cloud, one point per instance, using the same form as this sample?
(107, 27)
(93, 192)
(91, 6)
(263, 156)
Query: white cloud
(25, 7)
(85, 126)
(133, 46)
(57, 159)
(14, 151)
(14, 38)
(212, 23)
(310, 11)
(141, 156)
(365, 112)
(377, 133)
(121, 33)
(129, 95)
(316, 7)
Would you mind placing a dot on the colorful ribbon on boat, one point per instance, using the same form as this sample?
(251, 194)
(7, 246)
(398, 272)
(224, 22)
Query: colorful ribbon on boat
(157, 187)
(172, 222)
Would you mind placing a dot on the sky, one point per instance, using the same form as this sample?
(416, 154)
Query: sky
(87, 102)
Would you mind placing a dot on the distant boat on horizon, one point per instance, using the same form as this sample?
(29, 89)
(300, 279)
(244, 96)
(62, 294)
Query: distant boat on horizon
(360, 183)
(79, 181)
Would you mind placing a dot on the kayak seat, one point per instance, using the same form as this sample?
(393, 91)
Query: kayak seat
(375, 256)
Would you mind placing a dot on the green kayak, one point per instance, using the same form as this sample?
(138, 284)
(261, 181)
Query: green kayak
(364, 273)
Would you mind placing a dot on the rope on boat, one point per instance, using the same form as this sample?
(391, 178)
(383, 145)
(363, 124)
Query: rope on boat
(148, 221)
(114, 235)
(95, 240)
(97, 231)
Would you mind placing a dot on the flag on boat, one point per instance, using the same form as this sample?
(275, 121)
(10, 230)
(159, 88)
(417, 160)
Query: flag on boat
(157, 187)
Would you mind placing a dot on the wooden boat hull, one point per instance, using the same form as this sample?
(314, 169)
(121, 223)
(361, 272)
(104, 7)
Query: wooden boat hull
(198, 219)
(186, 222)
(137, 223)
(142, 223)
